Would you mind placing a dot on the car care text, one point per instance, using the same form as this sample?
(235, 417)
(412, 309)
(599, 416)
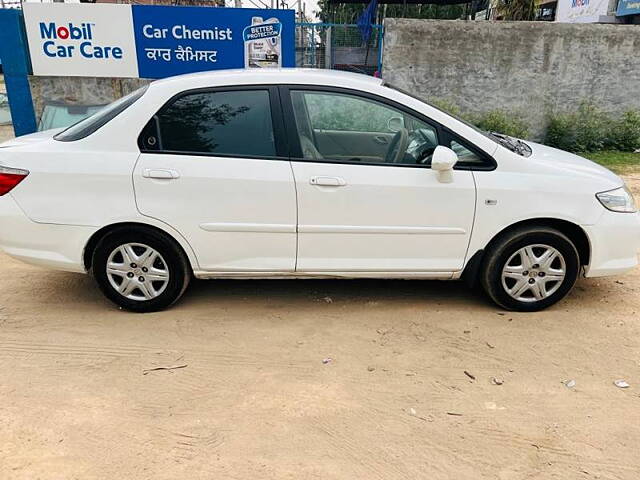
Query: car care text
(57, 36)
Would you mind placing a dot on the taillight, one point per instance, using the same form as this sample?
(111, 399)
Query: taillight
(10, 177)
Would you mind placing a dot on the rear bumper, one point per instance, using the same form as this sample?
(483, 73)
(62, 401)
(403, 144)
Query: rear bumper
(53, 246)
(615, 243)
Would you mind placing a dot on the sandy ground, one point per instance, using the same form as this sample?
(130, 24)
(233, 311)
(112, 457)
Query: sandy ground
(254, 400)
(6, 132)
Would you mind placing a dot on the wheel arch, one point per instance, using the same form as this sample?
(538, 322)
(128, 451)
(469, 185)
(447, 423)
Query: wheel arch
(92, 243)
(574, 232)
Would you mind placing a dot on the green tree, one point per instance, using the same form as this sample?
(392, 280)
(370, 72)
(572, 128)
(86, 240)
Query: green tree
(517, 9)
(349, 12)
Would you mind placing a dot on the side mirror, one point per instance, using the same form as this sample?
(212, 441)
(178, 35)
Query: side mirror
(443, 161)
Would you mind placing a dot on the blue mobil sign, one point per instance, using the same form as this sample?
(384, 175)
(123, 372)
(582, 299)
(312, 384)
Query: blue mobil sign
(628, 7)
(174, 40)
(155, 41)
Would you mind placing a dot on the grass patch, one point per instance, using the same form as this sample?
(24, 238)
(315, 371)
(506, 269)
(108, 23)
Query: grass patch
(619, 162)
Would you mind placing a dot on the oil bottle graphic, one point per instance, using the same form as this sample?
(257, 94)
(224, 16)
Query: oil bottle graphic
(263, 43)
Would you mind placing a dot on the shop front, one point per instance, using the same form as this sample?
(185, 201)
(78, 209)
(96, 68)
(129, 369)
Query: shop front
(629, 11)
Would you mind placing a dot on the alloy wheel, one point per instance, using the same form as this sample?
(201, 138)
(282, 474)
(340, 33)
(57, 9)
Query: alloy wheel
(137, 271)
(533, 273)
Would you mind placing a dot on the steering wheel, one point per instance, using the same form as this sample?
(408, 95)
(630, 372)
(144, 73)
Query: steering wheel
(426, 155)
(425, 148)
(397, 147)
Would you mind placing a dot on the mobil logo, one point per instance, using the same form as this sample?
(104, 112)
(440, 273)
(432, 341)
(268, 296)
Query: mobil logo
(53, 31)
(55, 42)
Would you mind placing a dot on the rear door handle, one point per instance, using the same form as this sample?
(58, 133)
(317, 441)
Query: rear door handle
(381, 140)
(328, 181)
(160, 173)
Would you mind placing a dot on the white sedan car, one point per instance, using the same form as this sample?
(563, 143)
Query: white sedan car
(306, 174)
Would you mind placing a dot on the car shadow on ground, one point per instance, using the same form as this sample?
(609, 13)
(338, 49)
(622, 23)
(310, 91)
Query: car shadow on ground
(74, 289)
(332, 291)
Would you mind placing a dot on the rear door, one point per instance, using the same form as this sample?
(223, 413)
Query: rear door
(214, 166)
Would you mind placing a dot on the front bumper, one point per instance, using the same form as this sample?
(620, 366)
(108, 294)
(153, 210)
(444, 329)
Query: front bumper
(54, 246)
(615, 243)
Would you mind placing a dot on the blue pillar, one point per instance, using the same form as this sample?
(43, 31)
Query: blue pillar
(16, 66)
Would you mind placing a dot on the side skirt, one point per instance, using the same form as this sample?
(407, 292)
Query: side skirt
(328, 275)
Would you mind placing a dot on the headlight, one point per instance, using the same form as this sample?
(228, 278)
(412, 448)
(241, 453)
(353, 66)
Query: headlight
(618, 200)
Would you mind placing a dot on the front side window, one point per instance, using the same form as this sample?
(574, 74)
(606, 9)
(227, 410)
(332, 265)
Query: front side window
(234, 123)
(343, 127)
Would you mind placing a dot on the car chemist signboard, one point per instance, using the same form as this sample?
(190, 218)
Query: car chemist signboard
(102, 40)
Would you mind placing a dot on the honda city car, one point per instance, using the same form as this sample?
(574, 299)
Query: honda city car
(306, 174)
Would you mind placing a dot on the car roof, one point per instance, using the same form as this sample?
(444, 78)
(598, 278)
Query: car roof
(282, 76)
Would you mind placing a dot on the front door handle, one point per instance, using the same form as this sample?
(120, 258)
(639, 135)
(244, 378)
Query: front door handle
(381, 140)
(160, 173)
(328, 181)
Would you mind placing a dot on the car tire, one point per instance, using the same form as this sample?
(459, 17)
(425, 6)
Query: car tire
(530, 268)
(140, 270)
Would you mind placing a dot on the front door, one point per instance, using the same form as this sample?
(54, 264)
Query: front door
(213, 168)
(366, 209)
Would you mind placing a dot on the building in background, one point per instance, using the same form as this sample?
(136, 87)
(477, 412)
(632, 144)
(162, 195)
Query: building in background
(586, 11)
(576, 11)
(546, 10)
(629, 11)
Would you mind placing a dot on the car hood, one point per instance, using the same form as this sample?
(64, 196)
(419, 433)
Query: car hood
(569, 164)
(31, 138)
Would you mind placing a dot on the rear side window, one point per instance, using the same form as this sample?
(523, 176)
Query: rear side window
(87, 126)
(228, 123)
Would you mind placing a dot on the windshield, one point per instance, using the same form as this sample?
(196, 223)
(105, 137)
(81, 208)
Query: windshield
(513, 144)
(87, 126)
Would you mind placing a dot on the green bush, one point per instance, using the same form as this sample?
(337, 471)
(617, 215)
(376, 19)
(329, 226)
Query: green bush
(502, 122)
(588, 129)
(624, 133)
(493, 121)
(591, 130)
(584, 130)
(446, 105)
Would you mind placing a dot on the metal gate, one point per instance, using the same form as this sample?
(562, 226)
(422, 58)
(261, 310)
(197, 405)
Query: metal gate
(339, 46)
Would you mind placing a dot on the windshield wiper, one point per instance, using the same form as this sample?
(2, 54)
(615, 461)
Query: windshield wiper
(513, 144)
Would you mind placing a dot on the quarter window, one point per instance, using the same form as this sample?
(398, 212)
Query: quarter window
(236, 123)
(349, 128)
(466, 157)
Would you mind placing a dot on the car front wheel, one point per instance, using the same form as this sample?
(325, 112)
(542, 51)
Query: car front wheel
(140, 270)
(530, 268)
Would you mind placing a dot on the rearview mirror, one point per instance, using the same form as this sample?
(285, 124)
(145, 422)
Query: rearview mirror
(443, 161)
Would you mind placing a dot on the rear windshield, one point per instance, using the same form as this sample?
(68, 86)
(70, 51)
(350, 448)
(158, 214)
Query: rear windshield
(87, 126)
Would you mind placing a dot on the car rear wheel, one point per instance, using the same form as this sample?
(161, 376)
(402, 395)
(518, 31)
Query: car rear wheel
(140, 270)
(530, 269)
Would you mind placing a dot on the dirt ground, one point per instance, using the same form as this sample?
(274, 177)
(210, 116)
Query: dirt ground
(6, 132)
(253, 398)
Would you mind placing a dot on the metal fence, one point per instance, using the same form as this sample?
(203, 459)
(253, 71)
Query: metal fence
(339, 47)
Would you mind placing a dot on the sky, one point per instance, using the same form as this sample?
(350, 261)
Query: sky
(310, 5)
